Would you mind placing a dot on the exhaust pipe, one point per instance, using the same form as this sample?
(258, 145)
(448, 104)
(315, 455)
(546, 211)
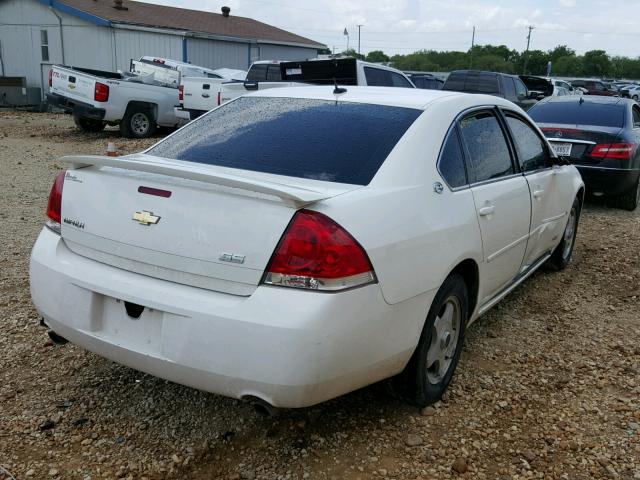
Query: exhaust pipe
(262, 408)
(57, 339)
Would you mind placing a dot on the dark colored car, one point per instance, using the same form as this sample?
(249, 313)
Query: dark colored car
(600, 136)
(596, 87)
(510, 87)
(426, 81)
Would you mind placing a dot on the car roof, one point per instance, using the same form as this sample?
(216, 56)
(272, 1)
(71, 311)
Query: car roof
(392, 96)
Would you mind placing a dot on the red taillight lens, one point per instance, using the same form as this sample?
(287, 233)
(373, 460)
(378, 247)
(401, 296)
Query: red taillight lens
(101, 93)
(616, 151)
(54, 207)
(51, 77)
(181, 93)
(317, 253)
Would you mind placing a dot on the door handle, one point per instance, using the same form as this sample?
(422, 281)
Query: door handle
(488, 210)
(205, 95)
(538, 193)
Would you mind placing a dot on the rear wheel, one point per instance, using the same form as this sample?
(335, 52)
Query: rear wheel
(630, 199)
(138, 122)
(88, 125)
(561, 256)
(434, 361)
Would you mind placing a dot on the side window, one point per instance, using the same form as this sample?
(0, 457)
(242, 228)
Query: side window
(273, 73)
(455, 81)
(636, 116)
(376, 77)
(487, 83)
(257, 73)
(398, 80)
(532, 154)
(509, 88)
(487, 147)
(451, 163)
(521, 90)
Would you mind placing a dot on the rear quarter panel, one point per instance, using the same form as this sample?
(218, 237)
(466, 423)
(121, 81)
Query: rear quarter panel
(414, 236)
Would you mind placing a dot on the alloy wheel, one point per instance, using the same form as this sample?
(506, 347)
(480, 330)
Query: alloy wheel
(445, 334)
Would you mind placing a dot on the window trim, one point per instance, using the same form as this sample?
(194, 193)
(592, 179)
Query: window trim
(454, 130)
(633, 124)
(503, 111)
(494, 110)
(44, 44)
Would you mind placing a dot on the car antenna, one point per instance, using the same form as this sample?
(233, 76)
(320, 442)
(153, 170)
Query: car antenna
(336, 89)
(581, 101)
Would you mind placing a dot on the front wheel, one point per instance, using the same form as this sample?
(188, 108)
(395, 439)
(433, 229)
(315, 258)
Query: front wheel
(434, 361)
(561, 256)
(137, 123)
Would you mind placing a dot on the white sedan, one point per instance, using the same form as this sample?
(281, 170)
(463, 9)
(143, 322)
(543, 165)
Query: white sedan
(296, 244)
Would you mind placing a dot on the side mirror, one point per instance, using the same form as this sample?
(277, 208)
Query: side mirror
(533, 95)
(560, 161)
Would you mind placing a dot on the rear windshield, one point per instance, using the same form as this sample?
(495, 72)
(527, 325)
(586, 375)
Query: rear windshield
(317, 139)
(575, 113)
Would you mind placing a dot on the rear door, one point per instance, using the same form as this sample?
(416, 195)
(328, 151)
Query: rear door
(501, 197)
(550, 188)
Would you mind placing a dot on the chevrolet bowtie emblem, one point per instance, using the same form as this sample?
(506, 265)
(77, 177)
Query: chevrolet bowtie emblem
(146, 218)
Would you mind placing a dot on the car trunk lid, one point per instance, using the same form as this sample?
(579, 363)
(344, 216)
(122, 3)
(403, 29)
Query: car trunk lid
(195, 224)
(580, 140)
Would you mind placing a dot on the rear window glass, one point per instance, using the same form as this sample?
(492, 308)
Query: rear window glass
(575, 113)
(307, 138)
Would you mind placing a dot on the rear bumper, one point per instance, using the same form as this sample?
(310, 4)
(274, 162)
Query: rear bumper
(290, 348)
(80, 109)
(608, 181)
(186, 115)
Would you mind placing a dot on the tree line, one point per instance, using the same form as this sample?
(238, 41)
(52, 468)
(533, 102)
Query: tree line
(564, 61)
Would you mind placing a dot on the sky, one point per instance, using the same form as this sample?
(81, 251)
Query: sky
(404, 26)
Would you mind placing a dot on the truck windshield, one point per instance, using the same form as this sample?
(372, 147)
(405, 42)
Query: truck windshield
(308, 138)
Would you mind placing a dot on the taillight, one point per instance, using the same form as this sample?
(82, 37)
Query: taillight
(318, 254)
(181, 93)
(101, 93)
(50, 77)
(219, 97)
(616, 151)
(54, 207)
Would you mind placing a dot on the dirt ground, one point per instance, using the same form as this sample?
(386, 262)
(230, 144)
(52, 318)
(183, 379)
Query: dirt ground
(548, 386)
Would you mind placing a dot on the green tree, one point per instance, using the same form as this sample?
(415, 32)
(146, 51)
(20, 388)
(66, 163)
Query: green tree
(377, 56)
(569, 66)
(559, 52)
(352, 53)
(596, 63)
(536, 61)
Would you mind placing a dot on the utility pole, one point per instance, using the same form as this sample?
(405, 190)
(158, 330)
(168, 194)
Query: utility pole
(359, 27)
(473, 43)
(526, 53)
(346, 34)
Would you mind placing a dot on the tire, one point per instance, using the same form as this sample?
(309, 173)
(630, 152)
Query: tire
(89, 125)
(431, 368)
(630, 199)
(138, 122)
(562, 254)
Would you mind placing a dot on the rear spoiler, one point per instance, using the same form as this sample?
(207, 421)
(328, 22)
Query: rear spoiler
(202, 173)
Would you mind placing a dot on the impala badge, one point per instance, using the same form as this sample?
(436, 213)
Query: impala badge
(146, 218)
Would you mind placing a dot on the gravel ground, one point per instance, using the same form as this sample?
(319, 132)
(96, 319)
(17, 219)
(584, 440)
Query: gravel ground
(548, 386)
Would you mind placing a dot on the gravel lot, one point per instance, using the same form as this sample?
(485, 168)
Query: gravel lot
(548, 386)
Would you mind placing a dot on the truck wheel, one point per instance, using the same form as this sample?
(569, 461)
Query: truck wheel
(89, 125)
(429, 372)
(630, 199)
(138, 122)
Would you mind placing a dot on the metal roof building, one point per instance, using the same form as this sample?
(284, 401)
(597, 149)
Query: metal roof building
(107, 34)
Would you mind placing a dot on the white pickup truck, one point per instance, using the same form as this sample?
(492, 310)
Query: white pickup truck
(199, 95)
(138, 100)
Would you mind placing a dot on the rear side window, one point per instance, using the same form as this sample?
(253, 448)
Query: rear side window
(636, 116)
(532, 154)
(509, 88)
(521, 90)
(451, 163)
(376, 77)
(482, 83)
(398, 80)
(487, 146)
(455, 81)
(294, 137)
(273, 73)
(257, 73)
(576, 113)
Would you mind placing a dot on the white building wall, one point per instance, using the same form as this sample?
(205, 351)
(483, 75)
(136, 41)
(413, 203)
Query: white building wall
(134, 44)
(283, 52)
(217, 53)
